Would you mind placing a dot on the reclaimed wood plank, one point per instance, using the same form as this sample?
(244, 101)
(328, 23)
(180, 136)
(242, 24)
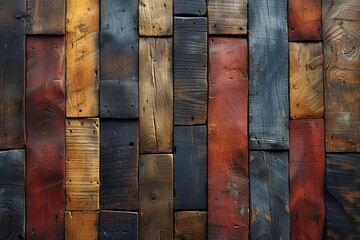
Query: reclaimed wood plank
(228, 199)
(190, 70)
(156, 95)
(45, 148)
(190, 225)
(190, 7)
(81, 225)
(118, 225)
(12, 17)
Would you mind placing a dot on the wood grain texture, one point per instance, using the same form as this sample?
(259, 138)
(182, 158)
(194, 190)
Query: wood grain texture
(156, 95)
(268, 75)
(119, 164)
(190, 7)
(81, 225)
(307, 176)
(269, 200)
(304, 20)
(342, 196)
(82, 164)
(12, 17)
(119, 71)
(156, 196)
(341, 23)
(227, 17)
(12, 194)
(82, 58)
(190, 167)
(45, 148)
(228, 189)
(118, 225)
(306, 80)
(190, 225)
(190, 70)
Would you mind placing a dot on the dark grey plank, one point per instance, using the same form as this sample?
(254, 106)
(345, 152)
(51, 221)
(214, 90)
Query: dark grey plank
(118, 225)
(190, 7)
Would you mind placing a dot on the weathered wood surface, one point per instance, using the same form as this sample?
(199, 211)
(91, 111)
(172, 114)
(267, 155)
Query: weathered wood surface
(228, 190)
(342, 196)
(155, 17)
(306, 80)
(45, 148)
(341, 23)
(119, 164)
(190, 167)
(269, 200)
(268, 75)
(190, 7)
(119, 73)
(81, 225)
(12, 195)
(307, 176)
(190, 70)
(227, 17)
(12, 17)
(82, 164)
(156, 95)
(82, 58)
(118, 225)
(190, 225)
(304, 20)
(156, 196)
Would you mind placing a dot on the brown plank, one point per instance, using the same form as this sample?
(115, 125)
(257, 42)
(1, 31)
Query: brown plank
(82, 58)
(306, 80)
(45, 148)
(190, 225)
(156, 95)
(81, 225)
(228, 190)
(115, 225)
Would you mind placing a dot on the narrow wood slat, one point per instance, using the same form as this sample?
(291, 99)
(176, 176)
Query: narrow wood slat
(81, 225)
(118, 225)
(190, 225)
(190, 7)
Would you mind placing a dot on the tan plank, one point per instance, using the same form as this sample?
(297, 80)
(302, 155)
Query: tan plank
(190, 225)
(81, 225)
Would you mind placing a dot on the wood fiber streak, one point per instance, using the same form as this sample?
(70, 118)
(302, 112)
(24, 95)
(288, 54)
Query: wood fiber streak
(341, 23)
(307, 176)
(190, 225)
(156, 95)
(45, 148)
(119, 72)
(12, 195)
(82, 58)
(81, 225)
(118, 225)
(306, 80)
(190, 70)
(82, 164)
(268, 75)
(228, 183)
(190, 7)
(269, 200)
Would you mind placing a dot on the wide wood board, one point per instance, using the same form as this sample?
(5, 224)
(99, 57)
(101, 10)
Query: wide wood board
(116, 225)
(81, 225)
(190, 225)
(190, 7)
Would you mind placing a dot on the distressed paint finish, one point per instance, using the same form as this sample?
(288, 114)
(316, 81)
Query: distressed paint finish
(190, 225)
(81, 225)
(116, 225)
(190, 7)
(228, 199)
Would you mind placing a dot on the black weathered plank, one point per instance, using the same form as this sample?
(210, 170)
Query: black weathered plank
(12, 17)
(118, 225)
(190, 7)
(190, 167)
(190, 70)
(12, 194)
(268, 80)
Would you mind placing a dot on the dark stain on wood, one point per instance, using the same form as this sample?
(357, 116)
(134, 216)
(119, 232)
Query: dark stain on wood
(190, 225)
(118, 225)
(190, 7)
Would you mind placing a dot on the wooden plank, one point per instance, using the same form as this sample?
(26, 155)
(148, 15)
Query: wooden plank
(190, 167)
(82, 58)
(12, 17)
(268, 75)
(12, 194)
(306, 80)
(119, 164)
(342, 196)
(190, 225)
(228, 185)
(119, 73)
(190, 70)
(81, 225)
(190, 7)
(341, 23)
(45, 148)
(227, 17)
(155, 17)
(269, 200)
(156, 95)
(118, 225)
(82, 164)
(156, 196)
(307, 176)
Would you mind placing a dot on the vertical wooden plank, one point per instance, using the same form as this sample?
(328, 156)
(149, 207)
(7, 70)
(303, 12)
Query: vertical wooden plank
(12, 194)
(228, 190)
(81, 225)
(269, 200)
(119, 73)
(118, 225)
(341, 23)
(190, 225)
(190, 7)
(307, 176)
(156, 196)
(82, 58)
(190, 167)
(119, 164)
(268, 75)
(156, 95)
(190, 70)
(45, 148)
